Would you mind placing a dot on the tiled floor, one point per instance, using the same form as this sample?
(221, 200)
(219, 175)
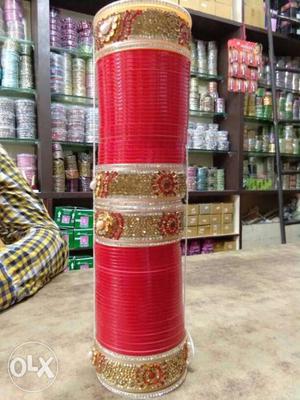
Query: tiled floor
(242, 311)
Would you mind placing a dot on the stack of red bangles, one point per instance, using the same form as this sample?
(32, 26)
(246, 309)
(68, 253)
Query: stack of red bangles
(143, 67)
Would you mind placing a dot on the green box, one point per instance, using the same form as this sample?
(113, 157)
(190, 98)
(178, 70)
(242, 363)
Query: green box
(68, 236)
(84, 219)
(64, 217)
(83, 238)
(81, 262)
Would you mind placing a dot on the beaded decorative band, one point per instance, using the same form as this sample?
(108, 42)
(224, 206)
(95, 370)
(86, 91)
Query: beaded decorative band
(162, 182)
(143, 24)
(139, 376)
(139, 228)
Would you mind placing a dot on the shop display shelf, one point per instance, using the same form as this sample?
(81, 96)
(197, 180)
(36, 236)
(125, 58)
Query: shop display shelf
(258, 154)
(213, 236)
(289, 121)
(88, 249)
(3, 38)
(201, 151)
(293, 21)
(66, 195)
(258, 191)
(18, 142)
(75, 144)
(72, 100)
(279, 88)
(289, 155)
(75, 53)
(202, 114)
(207, 77)
(264, 154)
(258, 120)
(219, 193)
(290, 172)
(17, 93)
(292, 222)
(270, 191)
(293, 70)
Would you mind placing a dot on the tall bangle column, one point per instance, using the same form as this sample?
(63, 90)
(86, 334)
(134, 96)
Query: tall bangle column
(143, 67)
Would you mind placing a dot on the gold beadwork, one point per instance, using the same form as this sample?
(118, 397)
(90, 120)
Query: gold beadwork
(146, 27)
(135, 375)
(129, 5)
(159, 184)
(136, 228)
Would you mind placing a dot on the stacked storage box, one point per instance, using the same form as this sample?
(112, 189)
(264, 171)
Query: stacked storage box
(254, 13)
(76, 225)
(211, 219)
(220, 8)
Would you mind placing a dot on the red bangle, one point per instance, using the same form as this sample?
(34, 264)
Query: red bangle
(139, 298)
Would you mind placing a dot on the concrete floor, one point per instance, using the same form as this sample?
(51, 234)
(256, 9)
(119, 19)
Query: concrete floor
(242, 311)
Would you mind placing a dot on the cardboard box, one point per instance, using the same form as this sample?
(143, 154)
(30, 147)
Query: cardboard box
(204, 209)
(68, 236)
(193, 209)
(64, 217)
(216, 219)
(84, 219)
(216, 229)
(192, 231)
(216, 208)
(204, 230)
(254, 3)
(223, 9)
(83, 238)
(206, 6)
(204, 220)
(193, 4)
(218, 246)
(230, 245)
(81, 262)
(254, 16)
(227, 208)
(227, 219)
(227, 229)
(192, 220)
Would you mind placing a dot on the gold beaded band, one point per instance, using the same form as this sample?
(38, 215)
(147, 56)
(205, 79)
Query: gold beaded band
(158, 182)
(162, 5)
(138, 228)
(142, 24)
(139, 376)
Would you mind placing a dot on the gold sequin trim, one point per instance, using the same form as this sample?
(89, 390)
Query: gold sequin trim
(136, 375)
(126, 5)
(142, 44)
(125, 228)
(141, 27)
(162, 183)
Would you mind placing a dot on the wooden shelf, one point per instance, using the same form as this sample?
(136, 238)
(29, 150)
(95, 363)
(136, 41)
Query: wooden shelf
(88, 249)
(66, 195)
(252, 192)
(295, 222)
(283, 45)
(213, 236)
(205, 27)
(221, 193)
(268, 192)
